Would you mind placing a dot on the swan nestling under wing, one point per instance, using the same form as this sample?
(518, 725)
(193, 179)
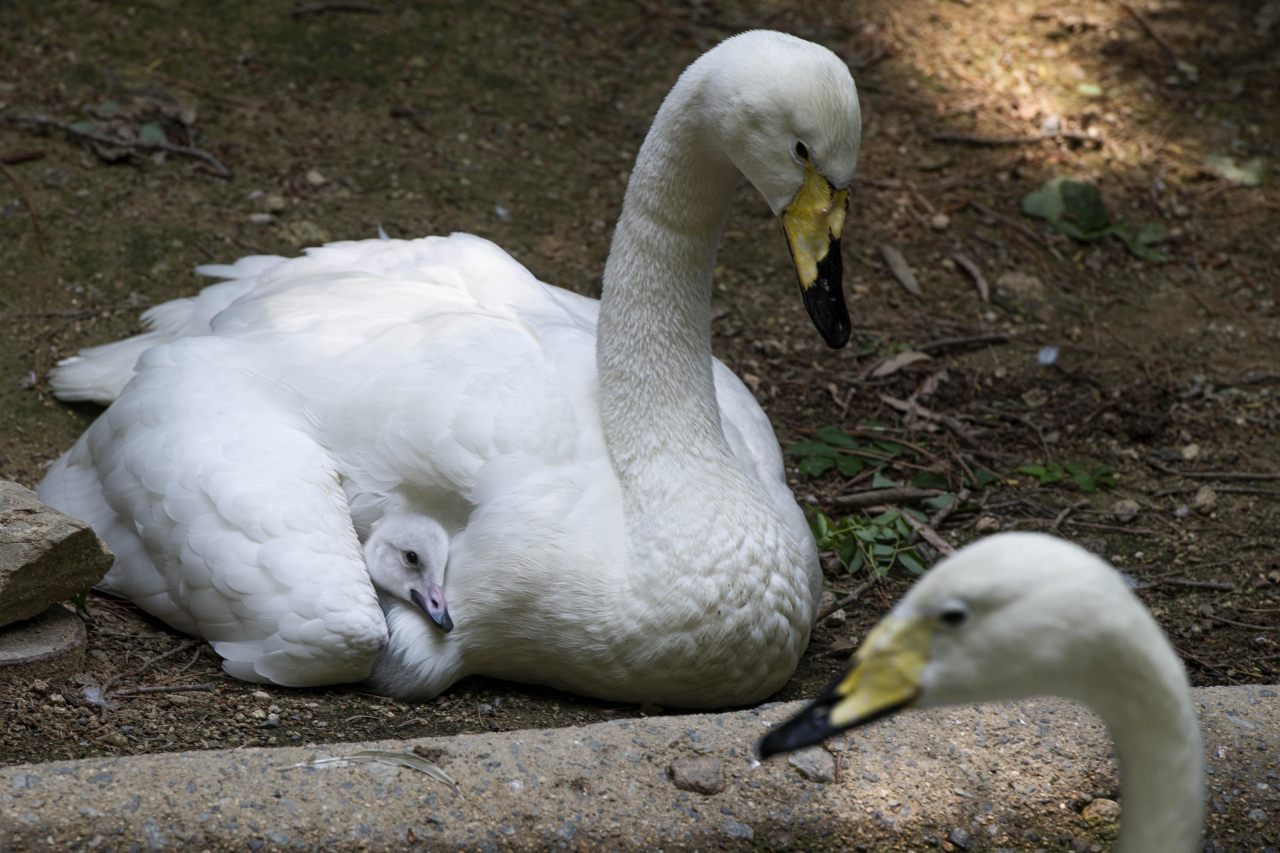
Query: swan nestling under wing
(1024, 614)
(620, 523)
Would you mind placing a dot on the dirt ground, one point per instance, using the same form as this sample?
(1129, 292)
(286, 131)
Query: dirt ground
(518, 121)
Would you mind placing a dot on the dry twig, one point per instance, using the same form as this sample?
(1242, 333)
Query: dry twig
(31, 208)
(928, 534)
(875, 497)
(306, 9)
(844, 602)
(984, 289)
(103, 139)
(1210, 475)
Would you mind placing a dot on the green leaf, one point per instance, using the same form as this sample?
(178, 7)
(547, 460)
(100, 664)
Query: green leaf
(929, 480)
(880, 481)
(152, 132)
(809, 447)
(1085, 481)
(890, 447)
(917, 514)
(866, 535)
(913, 565)
(837, 436)
(850, 465)
(902, 527)
(813, 466)
(984, 477)
(1105, 480)
(1044, 203)
(1082, 203)
(1153, 232)
(884, 518)
(882, 550)
(1075, 467)
(857, 562)
(1249, 175)
(1090, 90)
(940, 502)
(84, 126)
(1032, 470)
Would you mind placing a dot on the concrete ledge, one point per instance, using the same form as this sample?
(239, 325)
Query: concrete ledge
(1010, 776)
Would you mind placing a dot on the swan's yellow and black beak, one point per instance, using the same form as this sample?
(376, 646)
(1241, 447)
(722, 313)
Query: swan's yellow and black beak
(813, 222)
(885, 679)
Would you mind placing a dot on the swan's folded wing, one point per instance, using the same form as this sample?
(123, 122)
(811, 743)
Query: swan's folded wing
(241, 515)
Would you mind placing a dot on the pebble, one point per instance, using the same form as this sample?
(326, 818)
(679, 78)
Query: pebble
(814, 764)
(1125, 511)
(988, 524)
(700, 775)
(960, 838)
(1191, 452)
(1102, 815)
(1205, 501)
(940, 222)
(316, 179)
(734, 829)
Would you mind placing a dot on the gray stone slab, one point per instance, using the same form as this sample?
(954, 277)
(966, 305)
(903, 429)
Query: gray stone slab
(49, 646)
(1008, 776)
(45, 556)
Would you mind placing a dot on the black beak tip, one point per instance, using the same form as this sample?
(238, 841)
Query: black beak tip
(824, 300)
(446, 622)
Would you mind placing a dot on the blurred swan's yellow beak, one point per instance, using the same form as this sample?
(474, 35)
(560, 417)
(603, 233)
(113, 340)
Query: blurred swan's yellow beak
(813, 222)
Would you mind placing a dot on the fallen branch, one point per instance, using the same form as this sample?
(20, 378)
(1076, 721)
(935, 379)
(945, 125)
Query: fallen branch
(1151, 31)
(844, 602)
(968, 139)
(21, 157)
(103, 139)
(944, 344)
(928, 534)
(875, 497)
(31, 208)
(1211, 475)
(322, 8)
(984, 290)
(161, 688)
(1236, 624)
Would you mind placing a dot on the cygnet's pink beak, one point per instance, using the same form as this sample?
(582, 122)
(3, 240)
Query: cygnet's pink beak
(434, 605)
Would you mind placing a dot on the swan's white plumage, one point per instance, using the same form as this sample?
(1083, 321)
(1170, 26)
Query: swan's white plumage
(649, 550)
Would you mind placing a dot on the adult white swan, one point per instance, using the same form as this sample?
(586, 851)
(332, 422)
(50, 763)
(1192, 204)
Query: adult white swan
(1024, 614)
(620, 524)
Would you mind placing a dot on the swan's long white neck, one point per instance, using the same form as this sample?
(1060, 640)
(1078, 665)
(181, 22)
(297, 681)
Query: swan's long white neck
(1146, 703)
(653, 348)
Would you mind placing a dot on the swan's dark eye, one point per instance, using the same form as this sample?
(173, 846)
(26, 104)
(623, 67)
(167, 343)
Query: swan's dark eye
(954, 615)
(412, 557)
(802, 151)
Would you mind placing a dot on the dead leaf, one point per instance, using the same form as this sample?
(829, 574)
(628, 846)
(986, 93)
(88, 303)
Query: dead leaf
(901, 271)
(894, 363)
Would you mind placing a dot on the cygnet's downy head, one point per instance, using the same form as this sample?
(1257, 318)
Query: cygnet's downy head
(787, 115)
(407, 555)
(1009, 616)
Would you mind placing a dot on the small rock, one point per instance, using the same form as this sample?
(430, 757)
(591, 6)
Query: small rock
(836, 618)
(261, 218)
(988, 524)
(316, 179)
(1035, 397)
(179, 699)
(261, 695)
(1103, 817)
(45, 556)
(304, 232)
(700, 775)
(1257, 816)
(814, 764)
(940, 222)
(1191, 452)
(57, 699)
(274, 203)
(1024, 294)
(960, 838)
(1205, 500)
(258, 714)
(1125, 511)
(734, 829)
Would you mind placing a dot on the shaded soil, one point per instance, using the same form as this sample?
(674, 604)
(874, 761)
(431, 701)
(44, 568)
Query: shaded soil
(519, 121)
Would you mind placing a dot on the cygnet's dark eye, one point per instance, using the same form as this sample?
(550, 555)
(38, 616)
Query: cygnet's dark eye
(412, 557)
(954, 614)
(802, 151)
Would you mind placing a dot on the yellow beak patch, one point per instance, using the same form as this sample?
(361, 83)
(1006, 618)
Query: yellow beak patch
(887, 675)
(813, 222)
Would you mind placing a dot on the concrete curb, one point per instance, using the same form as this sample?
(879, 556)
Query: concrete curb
(1010, 776)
